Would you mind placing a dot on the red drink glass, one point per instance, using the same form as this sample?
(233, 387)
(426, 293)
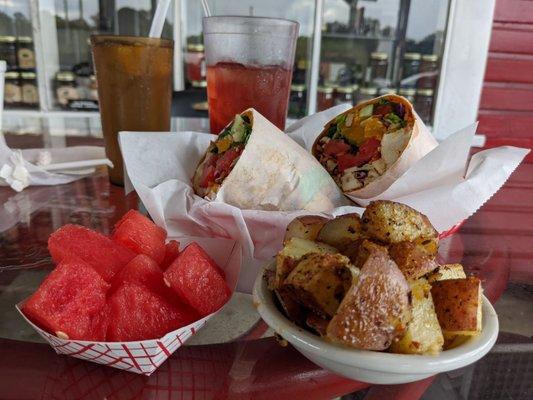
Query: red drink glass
(249, 64)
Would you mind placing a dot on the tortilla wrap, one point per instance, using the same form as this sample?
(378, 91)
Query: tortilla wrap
(274, 173)
(420, 143)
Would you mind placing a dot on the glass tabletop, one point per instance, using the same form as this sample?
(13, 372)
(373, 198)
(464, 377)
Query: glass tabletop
(235, 355)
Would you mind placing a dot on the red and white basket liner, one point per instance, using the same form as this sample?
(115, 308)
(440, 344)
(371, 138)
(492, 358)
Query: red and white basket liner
(143, 357)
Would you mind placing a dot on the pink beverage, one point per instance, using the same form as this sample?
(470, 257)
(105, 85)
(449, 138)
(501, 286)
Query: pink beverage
(249, 65)
(233, 87)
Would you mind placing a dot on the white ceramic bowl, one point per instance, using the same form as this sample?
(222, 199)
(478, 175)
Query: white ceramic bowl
(372, 366)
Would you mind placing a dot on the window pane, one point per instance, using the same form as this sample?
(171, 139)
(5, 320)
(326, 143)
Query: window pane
(16, 48)
(381, 46)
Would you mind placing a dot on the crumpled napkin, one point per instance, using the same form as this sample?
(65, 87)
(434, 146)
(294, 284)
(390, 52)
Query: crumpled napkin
(22, 168)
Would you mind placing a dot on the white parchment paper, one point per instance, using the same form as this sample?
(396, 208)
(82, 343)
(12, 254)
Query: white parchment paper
(444, 185)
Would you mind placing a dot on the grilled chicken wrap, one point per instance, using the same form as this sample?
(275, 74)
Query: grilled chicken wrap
(366, 148)
(254, 165)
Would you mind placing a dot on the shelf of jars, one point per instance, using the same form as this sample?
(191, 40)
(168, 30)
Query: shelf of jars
(20, 89)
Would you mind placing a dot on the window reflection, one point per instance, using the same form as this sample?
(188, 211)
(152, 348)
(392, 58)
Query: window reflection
(381, 46)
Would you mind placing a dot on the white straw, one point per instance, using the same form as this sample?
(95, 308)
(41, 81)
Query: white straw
(207, 12)
(159, 19)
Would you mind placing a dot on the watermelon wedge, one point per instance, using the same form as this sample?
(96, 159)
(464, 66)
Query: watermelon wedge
(136, 313)
(142, 270)
(70, 302)
(172, 249)
(97, 250)
(198, 280)
(140, 235)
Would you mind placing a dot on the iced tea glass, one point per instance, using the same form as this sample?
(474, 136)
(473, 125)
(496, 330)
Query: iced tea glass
(134, 76)
(249, 64)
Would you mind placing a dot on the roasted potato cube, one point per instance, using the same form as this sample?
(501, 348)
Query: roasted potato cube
(412, 260)
(291, 254)
(423, 335)
(458, 306)
(390, 222)
(359, 251)
(341, 231)
(294, 311)
(306, 227)
(454, 341)
(447, 271)
(375, 309)
(319, 282)
(317, 323)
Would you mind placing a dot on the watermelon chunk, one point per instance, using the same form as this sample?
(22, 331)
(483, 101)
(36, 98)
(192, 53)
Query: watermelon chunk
(97, 250)
(172, 249)
(141, 235)
(198, 280)
(144, 271)
(71, 302)
(136, 313)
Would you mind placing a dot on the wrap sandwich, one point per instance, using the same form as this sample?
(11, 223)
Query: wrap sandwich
(366, 148)
(254, 165)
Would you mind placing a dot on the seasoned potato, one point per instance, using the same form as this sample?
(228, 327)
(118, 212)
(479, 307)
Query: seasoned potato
(447, 271)
(341, 231)
(359, 251)
(412, 260)
(306, 227)
(294, 311)
(319, 282)
(291, 254)
(458, 306)
(390, 222)
(317, 323)
(454, 341)
(375, 309)
(423, 335)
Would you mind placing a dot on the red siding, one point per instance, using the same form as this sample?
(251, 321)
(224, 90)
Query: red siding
(506, 107)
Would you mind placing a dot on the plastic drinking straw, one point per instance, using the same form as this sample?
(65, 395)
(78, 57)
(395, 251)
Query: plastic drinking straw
(205, 5)
(159, 19)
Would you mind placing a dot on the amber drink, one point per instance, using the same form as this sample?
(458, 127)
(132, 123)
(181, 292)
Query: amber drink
(134, 77)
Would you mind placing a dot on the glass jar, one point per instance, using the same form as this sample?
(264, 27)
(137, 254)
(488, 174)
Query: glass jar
(424, 104)
(8, 51)
(325, 98)
(408, 93)
(344, 94)
(30, 92)
(297, 101)
(379, 64)
(195, 69)
(65, 87)
(25, 53)
(12, 89)
(199, 84)
(430, 67)
(410, 67)
(93, 88)
(366, 93)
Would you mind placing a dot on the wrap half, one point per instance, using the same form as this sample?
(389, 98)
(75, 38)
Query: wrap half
(366, 148)
(253, 165)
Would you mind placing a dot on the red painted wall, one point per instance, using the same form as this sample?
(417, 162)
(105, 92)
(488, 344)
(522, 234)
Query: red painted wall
(506, 107)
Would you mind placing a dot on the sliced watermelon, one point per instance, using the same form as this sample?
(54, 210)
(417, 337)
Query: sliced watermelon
(172, 249)
(136, 313)
(71, 302)
(198, 280)
(141, 235)
(104, 255)
(144, 271)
